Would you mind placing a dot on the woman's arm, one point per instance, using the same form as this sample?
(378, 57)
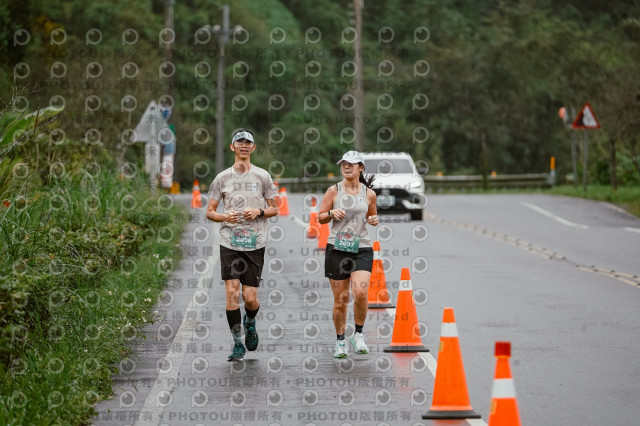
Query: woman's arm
(372, 213)
(327, 204)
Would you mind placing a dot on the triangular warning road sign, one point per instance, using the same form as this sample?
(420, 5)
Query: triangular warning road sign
(586, 119)
(152, 115)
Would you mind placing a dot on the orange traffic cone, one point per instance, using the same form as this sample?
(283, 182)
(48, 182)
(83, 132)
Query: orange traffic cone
(406, 330)
(283, 204)
(378, 293)
(450, 395)
(196, 200)
(314, 226)
(504, 406)
(324, 236)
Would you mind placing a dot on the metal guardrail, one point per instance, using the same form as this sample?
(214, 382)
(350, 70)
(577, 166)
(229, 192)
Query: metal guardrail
(439, 184)
(433, 184)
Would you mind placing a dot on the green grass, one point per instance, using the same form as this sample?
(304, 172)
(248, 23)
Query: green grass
(76, 284)
(627, 197)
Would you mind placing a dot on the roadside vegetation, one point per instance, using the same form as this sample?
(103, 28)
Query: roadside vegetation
(84, 255)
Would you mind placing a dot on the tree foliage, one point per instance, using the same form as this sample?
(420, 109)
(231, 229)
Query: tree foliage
(492, 71)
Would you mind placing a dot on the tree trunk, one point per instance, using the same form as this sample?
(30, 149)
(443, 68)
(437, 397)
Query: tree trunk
(634, 156)
(484, 163)
(612, 163)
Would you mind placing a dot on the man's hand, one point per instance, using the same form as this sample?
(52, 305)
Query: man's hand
(250, 214)
(232, 216)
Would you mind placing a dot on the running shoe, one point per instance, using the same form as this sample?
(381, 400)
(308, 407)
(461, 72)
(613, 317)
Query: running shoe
(357, 340)
(342, 350)
(250, 334)
(238, 352)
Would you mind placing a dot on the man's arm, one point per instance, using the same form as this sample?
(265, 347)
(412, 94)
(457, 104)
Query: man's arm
(272, 208)
(212, 214)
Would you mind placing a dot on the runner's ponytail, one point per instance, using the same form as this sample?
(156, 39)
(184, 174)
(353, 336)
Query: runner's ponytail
(366, 179)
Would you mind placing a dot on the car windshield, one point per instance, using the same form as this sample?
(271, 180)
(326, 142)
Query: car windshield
(386, 166)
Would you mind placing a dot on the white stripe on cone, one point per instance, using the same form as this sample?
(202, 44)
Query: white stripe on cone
(449, 329)
(503, 388)
(405, 285)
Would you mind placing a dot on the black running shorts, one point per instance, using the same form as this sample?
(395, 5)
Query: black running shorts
(338, 265)
(245, 266)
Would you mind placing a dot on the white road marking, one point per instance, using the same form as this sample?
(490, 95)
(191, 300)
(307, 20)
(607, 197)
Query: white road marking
(432, 365)
(553, 216)
(297, 221)
(620, 276)
(626, 228)
(476, 422)
(183, 336)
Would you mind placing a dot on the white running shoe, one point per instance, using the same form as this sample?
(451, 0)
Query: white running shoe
(342, 350)
(357, 340)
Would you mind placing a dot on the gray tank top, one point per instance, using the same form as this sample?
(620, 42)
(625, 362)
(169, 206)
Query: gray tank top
(355, 222)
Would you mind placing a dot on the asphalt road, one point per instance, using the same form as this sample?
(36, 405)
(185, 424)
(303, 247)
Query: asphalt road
(555, 276)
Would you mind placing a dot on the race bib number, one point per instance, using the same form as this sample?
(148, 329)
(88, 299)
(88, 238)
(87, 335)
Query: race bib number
(245, 238)
(347, 241)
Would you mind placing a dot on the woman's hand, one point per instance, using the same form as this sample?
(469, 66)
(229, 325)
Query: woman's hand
(338, 214)
(372, 220)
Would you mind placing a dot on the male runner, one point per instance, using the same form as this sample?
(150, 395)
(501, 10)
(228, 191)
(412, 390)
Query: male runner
(249, 198)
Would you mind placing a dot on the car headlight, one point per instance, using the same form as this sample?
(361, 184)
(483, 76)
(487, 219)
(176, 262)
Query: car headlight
(416, 184)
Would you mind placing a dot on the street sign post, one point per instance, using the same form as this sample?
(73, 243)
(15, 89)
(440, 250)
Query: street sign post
(151, 123)
(168, 153)
(586, 120)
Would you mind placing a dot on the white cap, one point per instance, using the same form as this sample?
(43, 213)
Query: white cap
(242, 135)
(352, 157)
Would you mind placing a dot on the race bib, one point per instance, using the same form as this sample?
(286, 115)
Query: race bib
(245, 238)
(347, 241)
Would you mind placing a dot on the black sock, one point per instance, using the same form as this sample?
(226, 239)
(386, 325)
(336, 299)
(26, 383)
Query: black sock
(234, 318)
(251, 314)
(340, 336)
(359, 328)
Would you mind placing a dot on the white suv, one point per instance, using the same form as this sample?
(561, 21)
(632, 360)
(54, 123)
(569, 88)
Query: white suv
(399, 185)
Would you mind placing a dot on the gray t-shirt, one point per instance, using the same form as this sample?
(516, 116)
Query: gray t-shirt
(239, 192)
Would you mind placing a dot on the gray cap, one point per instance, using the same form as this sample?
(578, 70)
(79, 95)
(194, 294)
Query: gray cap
(352, 157)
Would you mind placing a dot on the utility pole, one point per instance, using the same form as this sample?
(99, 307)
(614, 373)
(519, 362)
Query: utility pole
(484, 162)
(168, 23)
(585, 159)
(358, 115)
(574, 152)
(222, 34)
(223, 39)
